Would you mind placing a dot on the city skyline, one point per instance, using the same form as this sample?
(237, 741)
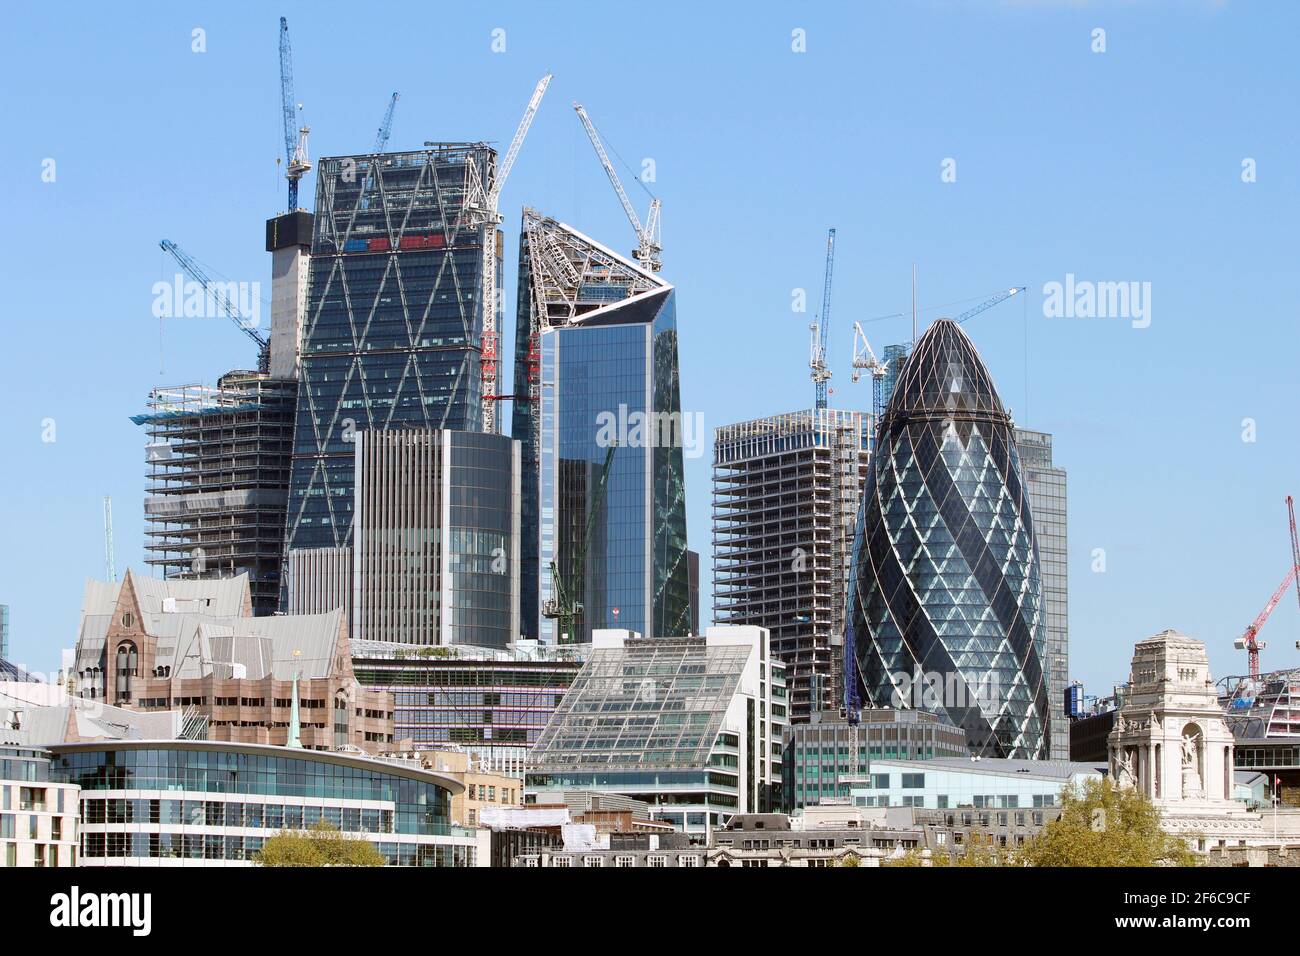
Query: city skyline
(1149, 420)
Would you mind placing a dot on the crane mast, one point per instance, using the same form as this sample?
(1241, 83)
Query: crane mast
(1249, 640)
(109, 564)
(297, 164)
(484, 197)
(649, 248)
(821, 328)
(864, 357)
(217, 294)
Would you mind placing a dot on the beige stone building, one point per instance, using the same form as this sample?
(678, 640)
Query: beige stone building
(151, 644)
(1171, 741)
(483, 788)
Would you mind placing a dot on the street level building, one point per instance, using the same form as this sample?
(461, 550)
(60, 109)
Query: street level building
(157, 645)
(492, 703)
(210, 803)
(786, 490)
(688, 725)
(824, 758)
(960, 782)
(38, 816)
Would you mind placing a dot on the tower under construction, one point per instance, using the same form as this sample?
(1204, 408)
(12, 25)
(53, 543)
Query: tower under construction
(218, 478)
(785, 499)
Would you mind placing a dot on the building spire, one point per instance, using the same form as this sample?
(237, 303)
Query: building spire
(295, 721)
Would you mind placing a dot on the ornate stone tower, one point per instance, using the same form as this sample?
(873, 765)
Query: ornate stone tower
(1171, 741)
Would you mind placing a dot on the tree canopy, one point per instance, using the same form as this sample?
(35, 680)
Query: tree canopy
(319, 845)
(1100, 825)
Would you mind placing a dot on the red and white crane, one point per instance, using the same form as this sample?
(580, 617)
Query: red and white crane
(1249, 641)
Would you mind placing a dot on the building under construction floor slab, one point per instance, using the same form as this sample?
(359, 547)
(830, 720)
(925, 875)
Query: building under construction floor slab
(786, 491)
(217, 487)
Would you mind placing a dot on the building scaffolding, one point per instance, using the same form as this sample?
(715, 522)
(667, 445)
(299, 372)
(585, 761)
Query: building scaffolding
(786, 491)
(217, 480)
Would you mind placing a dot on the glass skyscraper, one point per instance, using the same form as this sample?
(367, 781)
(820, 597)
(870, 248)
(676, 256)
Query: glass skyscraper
(394, 319)
(945, 609)
(598, 415)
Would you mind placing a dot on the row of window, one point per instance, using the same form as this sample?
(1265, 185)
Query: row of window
(221, 813)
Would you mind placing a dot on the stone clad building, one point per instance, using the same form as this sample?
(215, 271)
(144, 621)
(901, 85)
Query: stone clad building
(154, 645)
(1171, 741)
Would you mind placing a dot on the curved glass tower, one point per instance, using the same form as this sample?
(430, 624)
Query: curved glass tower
(944, 598)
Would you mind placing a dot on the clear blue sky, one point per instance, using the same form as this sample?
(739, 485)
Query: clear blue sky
(1120, 166)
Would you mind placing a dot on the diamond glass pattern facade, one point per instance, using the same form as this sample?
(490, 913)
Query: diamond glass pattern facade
(945, 574)
(394, 321)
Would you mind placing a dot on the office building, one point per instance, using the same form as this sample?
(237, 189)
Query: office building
(830, 835)
(436, 539)
(318, 580)
(38, 816)
(154, 645)
(945, 609)
(393, 324)
(693, 586)
(598, 415)
(484, 789)
(945, 783)
(1047, 502)
(217, 480)
(786, 490)
(691, 725)
(825, 757)
(209, 803)
(491, 703)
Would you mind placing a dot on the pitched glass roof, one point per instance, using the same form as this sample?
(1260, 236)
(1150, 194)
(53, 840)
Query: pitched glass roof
(655, 702)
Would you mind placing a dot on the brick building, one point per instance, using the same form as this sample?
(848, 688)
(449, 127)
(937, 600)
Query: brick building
(151, 645)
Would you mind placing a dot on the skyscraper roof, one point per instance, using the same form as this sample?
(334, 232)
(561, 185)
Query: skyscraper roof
(945, 376)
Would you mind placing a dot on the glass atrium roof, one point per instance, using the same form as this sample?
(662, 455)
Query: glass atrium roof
(653, 703)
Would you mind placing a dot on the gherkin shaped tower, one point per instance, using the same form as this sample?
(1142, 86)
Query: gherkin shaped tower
(944, 598)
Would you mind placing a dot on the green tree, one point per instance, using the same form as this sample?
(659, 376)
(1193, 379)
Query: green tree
(1105, 825)
(319, 845)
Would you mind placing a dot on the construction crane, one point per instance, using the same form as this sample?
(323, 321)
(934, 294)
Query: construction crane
(1249, 641)
(482, 200)
(821, 327)
(988, 304)
(109, 564)
(864, 357)
(386, 127)
(1295, 543)
(217, 294)
(648, 248)
(297, 164)
(564, 607)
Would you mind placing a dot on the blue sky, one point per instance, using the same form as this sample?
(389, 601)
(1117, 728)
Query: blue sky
(1117, 166)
